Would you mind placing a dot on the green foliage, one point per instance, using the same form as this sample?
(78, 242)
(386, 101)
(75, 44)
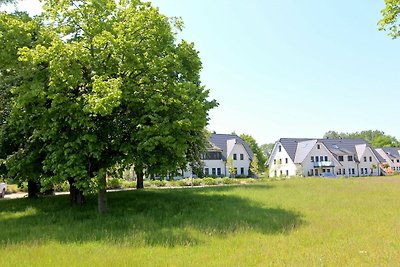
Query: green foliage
(114, 183)
(261, 158)
(390, 18)
(376, 138)
(209, 181)
(231, 166)
(87, 93)
(254, 167)
(227, 180)
(158, 183)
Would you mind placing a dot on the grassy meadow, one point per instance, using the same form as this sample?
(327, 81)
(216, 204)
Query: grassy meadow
(296, 222)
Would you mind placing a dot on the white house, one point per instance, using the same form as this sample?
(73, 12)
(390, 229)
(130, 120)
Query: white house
(391, 156)
(222, 147)
(323, 157)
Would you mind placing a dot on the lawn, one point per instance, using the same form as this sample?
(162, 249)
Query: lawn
(297, 222)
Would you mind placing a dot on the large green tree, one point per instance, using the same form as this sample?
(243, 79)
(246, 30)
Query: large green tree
(390, 18)
(111, 85)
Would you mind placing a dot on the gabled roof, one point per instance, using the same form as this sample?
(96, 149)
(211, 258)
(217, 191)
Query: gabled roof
(291, 144)
(349, 146)
(221, 141)
(392, 152)
(298, 148)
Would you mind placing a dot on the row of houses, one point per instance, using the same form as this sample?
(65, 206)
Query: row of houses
(301, 157)
(331, 157)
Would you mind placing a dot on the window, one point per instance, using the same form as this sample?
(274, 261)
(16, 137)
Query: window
(241, 156)
(212, 156)
(286, 160)
(234, 157)
(316, 172)
(326, 158)
(287, 173)
(365, 171)
(242, 171)
(316, 158)
(344, 171)
(340, 158)
(206, 171)
(318, 146)
(279, 148)
(312, 158)
(398, 160)
(321, 158)
(281, 173)
(235, 171)
(365, 159)
(370, 159)
(274, 161)
(339, 171)
(312, 172)
(353, 171)
(275, 174)
(350, 158)
(362, 171)
(280, 161)
(214, 171)
(328, 170)
(349, 171)
(219, 171)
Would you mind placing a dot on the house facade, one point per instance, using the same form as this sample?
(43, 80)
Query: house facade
(221, 148)
(323, 157)
(392, 158)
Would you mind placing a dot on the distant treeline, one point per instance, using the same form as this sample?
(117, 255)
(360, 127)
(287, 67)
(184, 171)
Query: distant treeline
(376, 138)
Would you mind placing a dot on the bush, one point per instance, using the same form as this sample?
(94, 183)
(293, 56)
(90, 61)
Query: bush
(183, 182)
(158, 183)
(62, 187)
(196, 182)
(209, 181)
(114, 183)
(12, 188)
(128, 184)
(227, 180)
(146, 183)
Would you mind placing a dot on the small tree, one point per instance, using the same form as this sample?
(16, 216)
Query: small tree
(254, 167)
(231, 167)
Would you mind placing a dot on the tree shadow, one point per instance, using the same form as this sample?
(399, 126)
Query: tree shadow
(171, 217)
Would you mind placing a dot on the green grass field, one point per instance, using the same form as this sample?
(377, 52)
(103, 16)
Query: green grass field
(297, 222)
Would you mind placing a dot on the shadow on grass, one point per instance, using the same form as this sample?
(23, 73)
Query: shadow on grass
(177, 217)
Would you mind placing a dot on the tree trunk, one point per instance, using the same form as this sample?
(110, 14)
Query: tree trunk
(139, 179)
(102, 195)
(76, 196)
(33, 189)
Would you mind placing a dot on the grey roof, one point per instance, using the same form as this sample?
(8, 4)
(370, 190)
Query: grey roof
(220, 140)
(338, 147)
(392, 152)
(290, 145)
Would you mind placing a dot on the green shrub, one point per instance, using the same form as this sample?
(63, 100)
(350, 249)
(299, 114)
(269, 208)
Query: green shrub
(183, 182)
(146, 183)
(62, 187)
(196, 182)
(227, 180)
(128, 184)
(209, 181)
(114, 183)
(219, 180)
(12, 188)
(158, 183)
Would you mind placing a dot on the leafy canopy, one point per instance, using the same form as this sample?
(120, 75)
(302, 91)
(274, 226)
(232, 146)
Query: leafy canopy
(104, 82)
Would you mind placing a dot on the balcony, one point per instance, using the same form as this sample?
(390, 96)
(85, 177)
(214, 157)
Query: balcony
(324, 164)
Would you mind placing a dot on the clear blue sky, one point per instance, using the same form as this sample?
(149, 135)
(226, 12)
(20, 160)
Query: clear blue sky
(294, 68)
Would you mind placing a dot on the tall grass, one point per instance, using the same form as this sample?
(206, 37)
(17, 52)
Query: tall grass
(294, 222)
